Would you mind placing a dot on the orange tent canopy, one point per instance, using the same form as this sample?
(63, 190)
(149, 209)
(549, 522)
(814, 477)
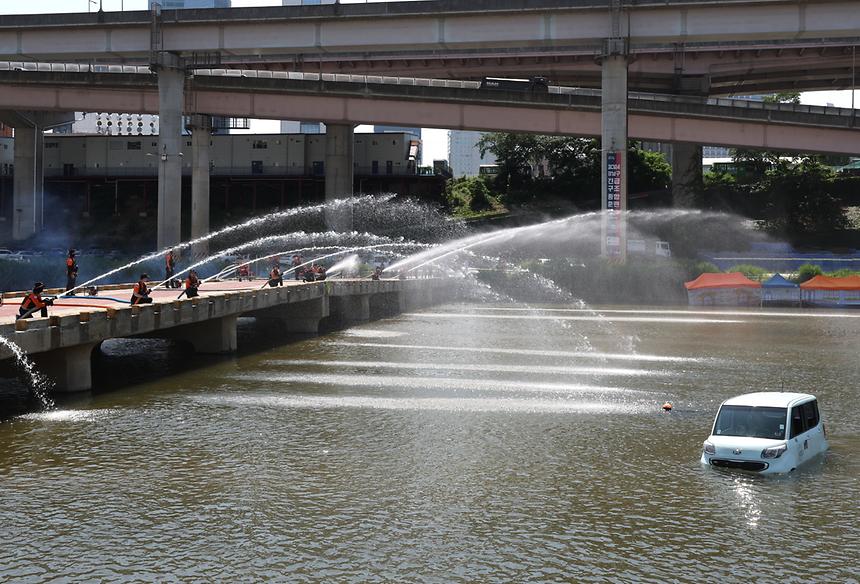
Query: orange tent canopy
(828, 283)
(732, 280)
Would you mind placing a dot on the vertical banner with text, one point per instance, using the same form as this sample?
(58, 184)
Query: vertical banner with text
(614, 232)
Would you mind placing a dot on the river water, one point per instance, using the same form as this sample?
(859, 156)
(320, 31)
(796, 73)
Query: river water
(462, 443)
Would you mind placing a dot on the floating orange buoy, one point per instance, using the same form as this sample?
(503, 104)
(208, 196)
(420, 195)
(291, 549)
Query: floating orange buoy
(667, 407)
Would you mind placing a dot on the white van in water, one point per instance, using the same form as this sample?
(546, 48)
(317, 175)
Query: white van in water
(766, 432)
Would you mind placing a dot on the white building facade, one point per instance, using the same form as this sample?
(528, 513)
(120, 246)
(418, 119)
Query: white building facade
(464, 156)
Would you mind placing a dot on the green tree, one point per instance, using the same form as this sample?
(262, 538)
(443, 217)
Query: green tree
(798, 198)
(649, 171)
(575, 167)
(516, 155)
(783, 97)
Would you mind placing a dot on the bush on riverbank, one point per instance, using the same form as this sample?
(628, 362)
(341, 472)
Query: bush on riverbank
(755, 273)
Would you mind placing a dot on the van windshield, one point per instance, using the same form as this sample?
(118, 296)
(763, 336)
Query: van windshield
(751, 421)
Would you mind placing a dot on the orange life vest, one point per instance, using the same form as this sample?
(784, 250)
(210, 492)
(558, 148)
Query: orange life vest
(140, 290)
(31, 301)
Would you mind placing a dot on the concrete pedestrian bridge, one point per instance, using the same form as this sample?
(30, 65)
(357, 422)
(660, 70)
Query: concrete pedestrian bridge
(62, 344)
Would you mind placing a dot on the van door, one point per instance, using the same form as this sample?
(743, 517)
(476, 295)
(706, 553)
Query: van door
(797, 438)
(814, 430)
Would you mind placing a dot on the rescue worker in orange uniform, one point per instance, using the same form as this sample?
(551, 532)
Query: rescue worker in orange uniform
(71, 270)
(192, 284)
(33, 302)
(170, 269)
(275, 277)
(140, 294)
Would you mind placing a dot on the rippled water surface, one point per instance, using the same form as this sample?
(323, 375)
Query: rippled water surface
(458, 444)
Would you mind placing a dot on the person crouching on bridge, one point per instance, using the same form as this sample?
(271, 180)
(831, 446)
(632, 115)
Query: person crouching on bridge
(33, 302)
(275, 277)
(192, 284)
(71, 271)
(140, 294)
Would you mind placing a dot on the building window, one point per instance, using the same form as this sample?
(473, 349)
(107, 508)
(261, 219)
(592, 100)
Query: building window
(260, 145)
(133, 145)
(49, 145)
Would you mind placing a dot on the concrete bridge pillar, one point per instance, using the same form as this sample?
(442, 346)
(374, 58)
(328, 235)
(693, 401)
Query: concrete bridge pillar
(686, 174)
(614, 147)
(27, 185)
(200, 138)
(69, 368)
(351, 309)
(299, 317)
(214, 336)
(339, 161)
(305, 317)
(386, 304)
(171, 88)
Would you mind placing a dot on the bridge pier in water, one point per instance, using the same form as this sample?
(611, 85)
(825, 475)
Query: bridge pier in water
(201, 130)
(215, 336)
(614, 156)
(71, 368)
(28, 182)
(171, 91)
(299, 317)
(339, 169)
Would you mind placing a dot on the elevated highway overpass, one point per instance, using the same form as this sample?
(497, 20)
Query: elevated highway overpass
(701, 47)
(447, 104)
(706, 46)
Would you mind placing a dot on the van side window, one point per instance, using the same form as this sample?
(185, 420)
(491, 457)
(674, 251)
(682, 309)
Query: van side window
(798, 422)
(810, 412)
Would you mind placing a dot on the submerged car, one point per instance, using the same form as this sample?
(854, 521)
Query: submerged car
(766, 432)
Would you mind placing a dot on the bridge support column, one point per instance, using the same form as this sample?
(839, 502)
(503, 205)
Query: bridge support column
(214, 336)
(171, 87)
(300, 317)
(305, 317)
(339, 161)
(28, 181)
(686, 174)
(614, 155)
(387, 304)
(69, 368)
(352, 309)
(200, 137)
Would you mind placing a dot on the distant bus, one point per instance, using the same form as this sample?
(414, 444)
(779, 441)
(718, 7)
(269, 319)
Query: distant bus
(532, 85)
(488, 170)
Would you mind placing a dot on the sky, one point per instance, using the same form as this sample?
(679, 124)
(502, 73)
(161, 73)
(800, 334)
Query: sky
(435, 141)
